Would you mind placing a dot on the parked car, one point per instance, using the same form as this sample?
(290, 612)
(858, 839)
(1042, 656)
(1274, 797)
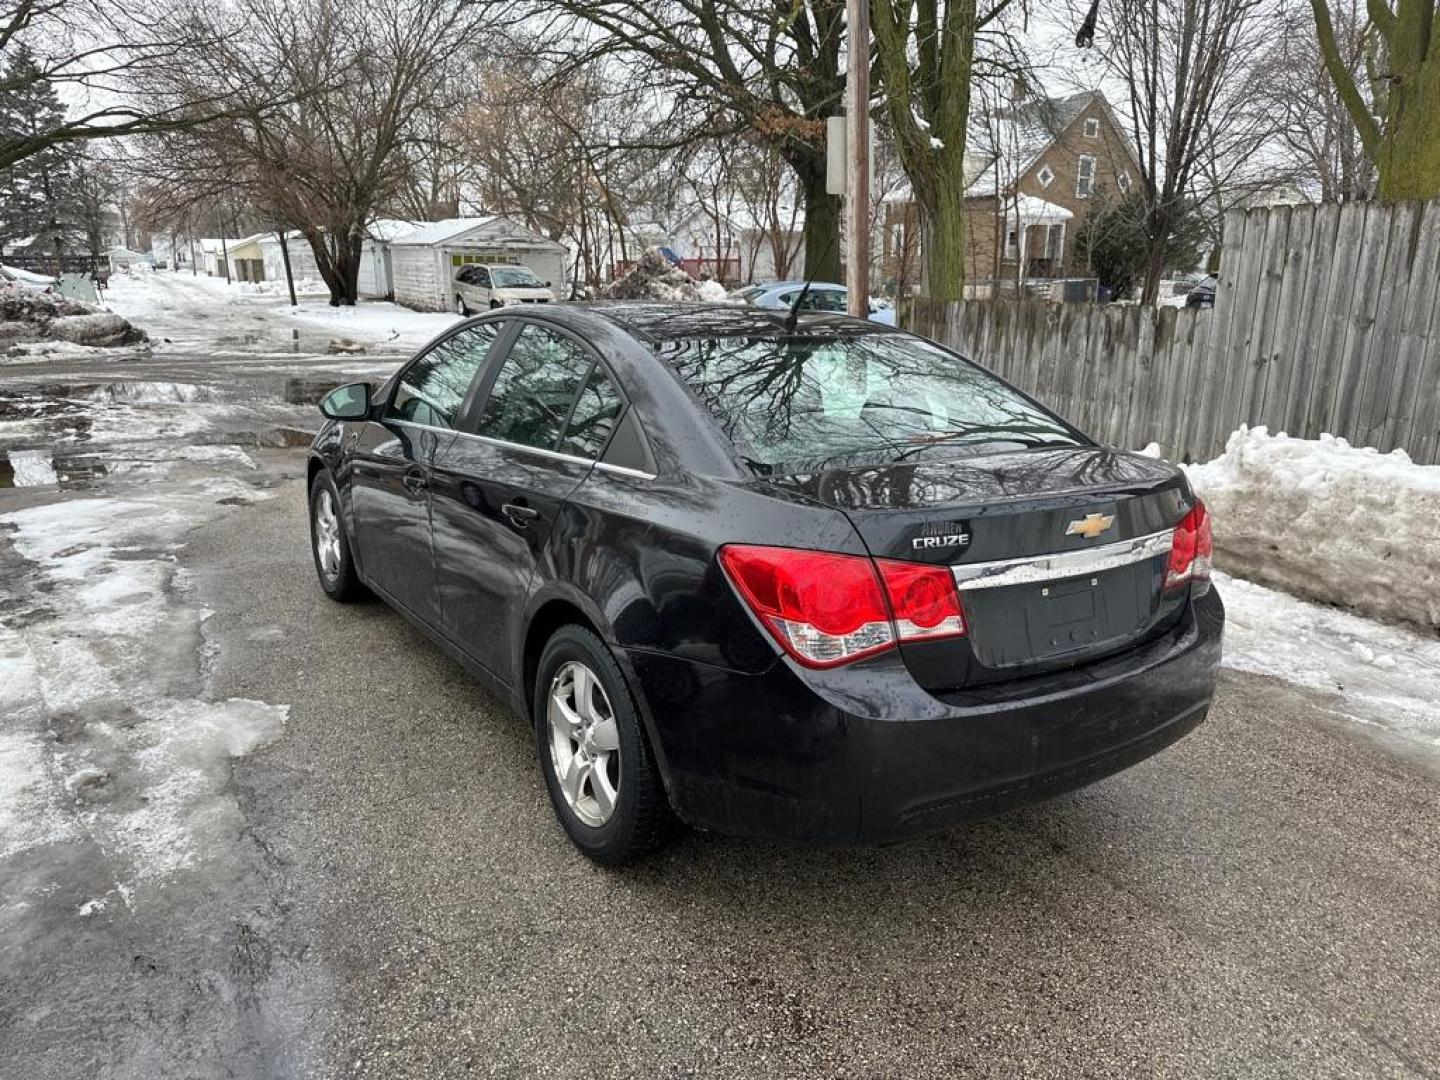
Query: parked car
(822, 296)
(1203, 294)
(818, 580)
(480, 287)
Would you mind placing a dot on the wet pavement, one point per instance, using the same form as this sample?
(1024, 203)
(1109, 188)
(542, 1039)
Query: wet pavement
(245, 832)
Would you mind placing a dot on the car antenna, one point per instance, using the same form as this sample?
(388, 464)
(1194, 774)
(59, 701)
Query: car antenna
(794, 316)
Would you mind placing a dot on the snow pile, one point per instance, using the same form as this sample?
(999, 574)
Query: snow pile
(1328, 521)
(29, 316)
(655, 277)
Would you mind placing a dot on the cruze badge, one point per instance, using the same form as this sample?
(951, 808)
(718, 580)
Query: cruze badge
(949, 540)
(1090, 526)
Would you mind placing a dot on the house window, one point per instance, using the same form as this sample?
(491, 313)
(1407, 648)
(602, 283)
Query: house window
(1085, 177)
(1092, 128)
(1012, 243)
(1122, 181)
(1055, 241)
(1045, 175)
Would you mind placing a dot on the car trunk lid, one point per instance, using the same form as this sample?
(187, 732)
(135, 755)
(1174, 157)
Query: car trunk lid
(1059, 553)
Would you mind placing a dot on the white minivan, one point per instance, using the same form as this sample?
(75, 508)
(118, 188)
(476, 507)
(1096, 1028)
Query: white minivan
(479, 287)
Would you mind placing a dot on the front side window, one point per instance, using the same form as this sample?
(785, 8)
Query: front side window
(534, 389)
(482, 277)
(432, 389)
(803, 403)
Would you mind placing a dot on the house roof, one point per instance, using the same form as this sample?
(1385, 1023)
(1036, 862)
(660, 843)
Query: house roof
(494, 228)
(1006, 148)
(1035, 211)
(438, 232)
(386, 229)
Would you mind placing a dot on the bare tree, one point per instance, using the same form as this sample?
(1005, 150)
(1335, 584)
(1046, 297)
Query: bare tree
(1318, 141)
(357, 75)
(1398, 120)
(1187, 67)
(742, 67)
(104, 58)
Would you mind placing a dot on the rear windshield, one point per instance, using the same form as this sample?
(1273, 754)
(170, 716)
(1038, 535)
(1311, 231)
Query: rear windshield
(805, 403)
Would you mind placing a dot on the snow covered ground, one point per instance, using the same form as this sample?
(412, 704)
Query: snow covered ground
(217, 309)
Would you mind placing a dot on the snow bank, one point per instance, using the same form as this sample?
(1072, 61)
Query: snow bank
(27, 316)
(1328, 521)
(101, 329)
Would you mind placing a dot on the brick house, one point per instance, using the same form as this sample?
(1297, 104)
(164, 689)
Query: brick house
(1034, 175)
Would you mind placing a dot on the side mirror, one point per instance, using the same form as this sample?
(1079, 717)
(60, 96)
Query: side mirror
(350, 402)
(547, 284)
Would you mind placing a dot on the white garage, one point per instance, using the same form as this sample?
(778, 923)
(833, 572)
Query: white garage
(376, 278)
(423, 262)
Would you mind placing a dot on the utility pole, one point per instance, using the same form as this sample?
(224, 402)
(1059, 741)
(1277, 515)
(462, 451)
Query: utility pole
(857, 163)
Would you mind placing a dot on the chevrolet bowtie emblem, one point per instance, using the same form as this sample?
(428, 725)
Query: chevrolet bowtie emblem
(1090, 526)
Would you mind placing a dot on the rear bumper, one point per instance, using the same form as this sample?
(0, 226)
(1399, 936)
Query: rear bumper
(862, 754)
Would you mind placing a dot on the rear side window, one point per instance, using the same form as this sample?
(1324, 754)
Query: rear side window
(594, 417)
(433, 387)
(534, 389)
(805, 402)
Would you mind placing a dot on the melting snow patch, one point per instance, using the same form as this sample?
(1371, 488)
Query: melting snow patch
(1384, 675)
(107, 733)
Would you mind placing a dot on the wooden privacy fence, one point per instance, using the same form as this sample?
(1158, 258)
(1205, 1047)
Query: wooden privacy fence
(1326, 319)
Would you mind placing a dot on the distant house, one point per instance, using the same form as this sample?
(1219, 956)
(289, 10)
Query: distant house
(247, 258)
(1035, 174)
(423, 262)
(211, 255)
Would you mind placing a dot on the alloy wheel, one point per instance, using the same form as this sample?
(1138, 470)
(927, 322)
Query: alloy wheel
(584, 743)
(327, 535)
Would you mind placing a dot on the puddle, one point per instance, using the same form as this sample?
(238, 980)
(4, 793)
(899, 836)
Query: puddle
(71, 435)
(294, 340)
(306, 391)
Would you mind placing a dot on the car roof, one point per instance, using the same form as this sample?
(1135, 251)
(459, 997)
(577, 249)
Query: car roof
(659, 322)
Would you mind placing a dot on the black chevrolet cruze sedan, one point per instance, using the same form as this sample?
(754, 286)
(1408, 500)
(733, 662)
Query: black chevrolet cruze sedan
(814, 579)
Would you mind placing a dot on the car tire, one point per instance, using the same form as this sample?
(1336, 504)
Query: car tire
(461, 308)
(614, 761)
(329, 544)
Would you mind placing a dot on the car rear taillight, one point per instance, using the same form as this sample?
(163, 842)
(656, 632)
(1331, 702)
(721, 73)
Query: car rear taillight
(827, 609)
(923, 600)
(1191, 551)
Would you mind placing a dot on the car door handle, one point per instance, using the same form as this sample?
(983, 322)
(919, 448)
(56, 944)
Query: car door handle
(415, 482)
(518, 514)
